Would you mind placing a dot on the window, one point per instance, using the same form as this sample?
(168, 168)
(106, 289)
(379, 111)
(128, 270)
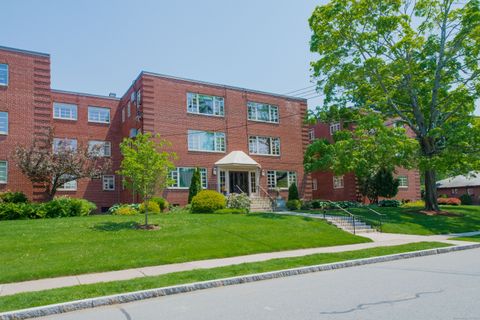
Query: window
(470, 191)
(338, 182)
(203, 104)
(264, 145)
(100, 148)
(281, 179)
(454, 190)
(3, 122)
(262, 112)
(139, 98)
(132, 97)
(3, 171)
(3, 74)
(311, 134)
(133, 133)
(64, 111)
(68, 186)
(314, 184)
(123, 115)
(403, 182)
(334, 127)
(60, 145)
(98, 114)
(182, 177)
(206, 141)
(129, 110)
(108, 183)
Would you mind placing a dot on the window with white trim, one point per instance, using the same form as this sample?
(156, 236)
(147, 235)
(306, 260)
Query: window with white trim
(402, 181)
(108, 183)
(3, 171)
(100, 148)
(338, 182)
(454, 191)
(262, 112)
(64, 145)
(64, 111)
(206, 141)
(264, 145)
(132, 97)
(68, 186)
(182, 177)
(334, 127)
(470, 191)
(139, 97)
(281, 179)
(98, 115)
(314, 184)
(311, 134)
(3, 122)
(3, 74)
(205, 104)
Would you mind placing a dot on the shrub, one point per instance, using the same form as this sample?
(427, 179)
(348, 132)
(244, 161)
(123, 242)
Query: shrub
(208, 201)
(306, 205)
(13, 197)
(162, 203)
(293, 192)
(231, 211)
(125, 210)
(294, 204)
(239, 201)
(414, 204)
(195, 185)
(443, 196)
(68, 207)
(466, 199)
(389, 203)
(152, 207)
(17, 211)
(316, 204)
(449, 201)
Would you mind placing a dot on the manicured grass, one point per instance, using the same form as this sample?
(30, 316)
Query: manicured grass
(32, 249)
(410, 221)
(32, 299)
(471, 238)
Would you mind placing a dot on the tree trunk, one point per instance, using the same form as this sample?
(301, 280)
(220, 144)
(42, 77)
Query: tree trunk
(431, 202)
(145, 204)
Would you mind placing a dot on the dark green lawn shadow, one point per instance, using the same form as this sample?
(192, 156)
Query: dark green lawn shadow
(266, 215)
(115, 226)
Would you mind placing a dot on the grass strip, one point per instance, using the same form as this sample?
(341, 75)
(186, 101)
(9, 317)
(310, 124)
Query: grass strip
(471, 238)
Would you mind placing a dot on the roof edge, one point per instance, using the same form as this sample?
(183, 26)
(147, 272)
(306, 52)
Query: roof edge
(16, 50)
(85, 94)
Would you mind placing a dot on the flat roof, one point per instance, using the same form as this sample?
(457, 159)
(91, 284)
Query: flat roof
(85, 94)
(35, 53)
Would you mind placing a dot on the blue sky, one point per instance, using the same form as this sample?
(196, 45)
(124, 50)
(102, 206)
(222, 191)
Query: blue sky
(101, 46)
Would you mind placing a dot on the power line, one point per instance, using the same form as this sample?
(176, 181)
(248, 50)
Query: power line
(301, 89)
(300, 94)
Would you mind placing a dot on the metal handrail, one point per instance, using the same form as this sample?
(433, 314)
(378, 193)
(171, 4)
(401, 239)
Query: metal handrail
(348, 212)
(269, 196)
(380, 219)
(236, 186)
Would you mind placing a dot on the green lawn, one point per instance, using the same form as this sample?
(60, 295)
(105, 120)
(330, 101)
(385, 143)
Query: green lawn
(471, 238)
(32, 299)
(33, 249)
(409, 221)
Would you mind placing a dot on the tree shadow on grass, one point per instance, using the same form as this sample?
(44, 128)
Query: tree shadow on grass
(266, 215)
(115, 226)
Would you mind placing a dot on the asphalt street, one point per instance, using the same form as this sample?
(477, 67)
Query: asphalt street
(445, 286)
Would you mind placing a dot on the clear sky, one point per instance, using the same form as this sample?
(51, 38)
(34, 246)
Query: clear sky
(100, 46)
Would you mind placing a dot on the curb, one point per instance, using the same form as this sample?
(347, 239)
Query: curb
(166, 291)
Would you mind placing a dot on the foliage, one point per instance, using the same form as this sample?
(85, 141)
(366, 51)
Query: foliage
(152, 207)
(414, 204)
(389, 203)
(443, 196)
(13, 197)
(293, 192)
(162, 203)
(53, 168)
(18, 211)
(450, 201)
(208, 201)
(115, 207)
(146, 165)
(195, 185)
(231, 211)
(125, 210)
(466, 199)
(412, 62)
(306, 205)
(320, 204)
(239, 201)
(380, 184)
(294, 204)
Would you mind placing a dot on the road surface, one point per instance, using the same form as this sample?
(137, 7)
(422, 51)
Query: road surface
(445, 286)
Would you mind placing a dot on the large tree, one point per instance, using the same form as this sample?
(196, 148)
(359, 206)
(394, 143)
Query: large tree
(417, 61)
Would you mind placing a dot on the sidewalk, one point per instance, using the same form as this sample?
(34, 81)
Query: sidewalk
(379, 240)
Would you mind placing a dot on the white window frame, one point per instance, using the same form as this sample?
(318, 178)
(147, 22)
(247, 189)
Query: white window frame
(334, 127)
(69, 186)
(272, 179)
(252, 112)
(175, 175)
(106, 180)
(8, 75)
(338, 182)
(220, 141)
(403, 182)
(73, 143)
(4, 117)
(311, 134)
(454, 191)
(4, 164)
(138, 95)
(274, 146)
(99, 110)
(72, 111)
(314, 184)
(105, 149)
(218, 104)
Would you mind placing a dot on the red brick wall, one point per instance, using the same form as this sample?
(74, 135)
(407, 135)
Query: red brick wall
(473, 191)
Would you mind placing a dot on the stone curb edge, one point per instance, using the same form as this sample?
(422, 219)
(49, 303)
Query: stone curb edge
(166, 291)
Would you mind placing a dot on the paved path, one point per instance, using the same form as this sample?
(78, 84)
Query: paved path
(379, 239)
(443, 286)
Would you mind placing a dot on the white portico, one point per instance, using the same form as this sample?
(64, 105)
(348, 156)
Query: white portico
(237, 173)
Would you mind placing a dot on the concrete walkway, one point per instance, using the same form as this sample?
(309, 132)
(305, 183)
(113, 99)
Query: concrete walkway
(379, 240)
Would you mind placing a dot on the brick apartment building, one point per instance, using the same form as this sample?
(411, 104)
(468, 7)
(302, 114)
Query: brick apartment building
(241, 139)
(455, 187)
(325, 185)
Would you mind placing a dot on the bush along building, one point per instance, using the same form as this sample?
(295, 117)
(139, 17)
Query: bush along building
(242, 140)
(328, 186)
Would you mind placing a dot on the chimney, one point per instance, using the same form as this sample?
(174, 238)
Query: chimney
(112, 94)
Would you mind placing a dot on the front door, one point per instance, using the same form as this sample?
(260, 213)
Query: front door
(238, 181)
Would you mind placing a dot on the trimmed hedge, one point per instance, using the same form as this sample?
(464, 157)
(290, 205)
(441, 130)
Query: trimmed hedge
(449, 201)
(162, 203)
(294, 204)
(13, 197)
(466, 199)
(320, 204)
(208, 201)
(389, 203)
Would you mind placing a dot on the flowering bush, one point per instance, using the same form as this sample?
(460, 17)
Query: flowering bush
(125, 211)
(239, 201)
(450, 201)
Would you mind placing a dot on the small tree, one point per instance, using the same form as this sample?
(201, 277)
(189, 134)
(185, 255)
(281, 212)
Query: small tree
(385, 184)
(195, 185)
(293, 192)
(53, 166)
(145, 166)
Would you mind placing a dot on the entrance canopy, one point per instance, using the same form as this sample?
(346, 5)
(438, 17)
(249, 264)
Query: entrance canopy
(237, 159)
